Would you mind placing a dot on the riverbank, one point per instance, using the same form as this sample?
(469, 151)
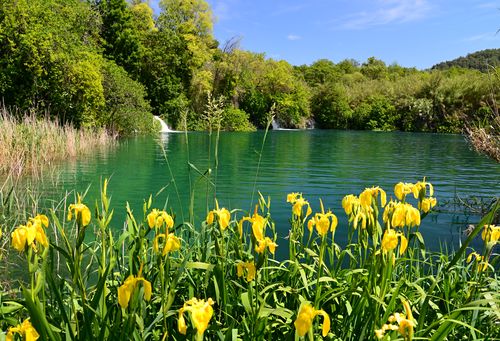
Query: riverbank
(29, 144)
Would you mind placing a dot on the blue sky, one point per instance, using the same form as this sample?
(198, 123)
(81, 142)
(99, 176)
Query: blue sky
(415, 33)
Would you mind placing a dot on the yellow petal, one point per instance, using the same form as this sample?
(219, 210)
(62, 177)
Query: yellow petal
(310, 224)
(124, 296)
(239, 269)
(181, 324)
(252, 271)
(398, 190)
(326, 322)
(30, 234)
(18, 237)
(404, 244)
(334, 223)
(152, 218)
(85, 215)
(147, 289)
(172, 244)
(210, 218)
(383, 197)
(304, 319)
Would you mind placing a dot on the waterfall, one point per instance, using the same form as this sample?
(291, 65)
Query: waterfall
(275, 125)
(164, 126)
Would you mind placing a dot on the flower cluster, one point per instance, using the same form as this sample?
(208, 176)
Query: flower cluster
(298, 202)
(250, 269)
(390, 241)
(164, 242)
(259, 232)
(491, 234)
(481, 263)
(401, 214)
(361, 209)
(403, 323)
(32, 234)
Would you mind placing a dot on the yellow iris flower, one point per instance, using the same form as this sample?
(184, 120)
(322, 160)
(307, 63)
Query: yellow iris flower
(298, 203)
(426, 204)
(265, 242)
(223, 216)
(258, 225)
(350, 203)
(390, 241)
(126, 290)
(25, 329)
(81, 212)
(403, 214)
(33, 231)
(249, 267)
(370, 194)
(403, 323)
(402, 189)
(201, 312)
(420, 189)
(482, 265)
(324, 222)
(491, 233)
(305, 318)
(170, 243)
(157, 218)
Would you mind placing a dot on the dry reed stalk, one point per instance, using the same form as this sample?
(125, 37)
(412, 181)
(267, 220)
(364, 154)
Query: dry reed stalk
(29, 144)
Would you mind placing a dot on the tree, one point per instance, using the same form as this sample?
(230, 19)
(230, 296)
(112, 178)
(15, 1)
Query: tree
(121, 38)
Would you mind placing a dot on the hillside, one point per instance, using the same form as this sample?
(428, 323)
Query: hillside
(480, 60)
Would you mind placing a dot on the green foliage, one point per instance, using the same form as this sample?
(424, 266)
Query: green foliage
(166, 74)
(56, 55)
(383, 115)
(330, 107)
(236, 120)
(121, 41)
(483, 61)
(126, 109)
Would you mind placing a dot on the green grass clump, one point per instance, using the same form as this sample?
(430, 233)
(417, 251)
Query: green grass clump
(162, 278)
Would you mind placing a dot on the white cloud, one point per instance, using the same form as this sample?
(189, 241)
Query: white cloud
(388, 12)
(483, 37)
(489, 5)
(293, 37)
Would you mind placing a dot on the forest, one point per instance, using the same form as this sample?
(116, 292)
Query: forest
(113, 63)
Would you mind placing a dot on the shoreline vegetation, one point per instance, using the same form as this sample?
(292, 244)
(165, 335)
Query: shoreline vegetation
(162, 278)
(30, 144)
(113, 63)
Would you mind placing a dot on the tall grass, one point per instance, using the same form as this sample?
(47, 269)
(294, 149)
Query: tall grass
(29, 144)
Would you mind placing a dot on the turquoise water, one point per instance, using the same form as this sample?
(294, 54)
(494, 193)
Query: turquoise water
(318, 163)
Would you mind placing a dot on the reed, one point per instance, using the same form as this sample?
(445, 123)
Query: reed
(30, 144)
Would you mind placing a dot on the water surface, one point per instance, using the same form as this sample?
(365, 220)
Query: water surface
(320, 164)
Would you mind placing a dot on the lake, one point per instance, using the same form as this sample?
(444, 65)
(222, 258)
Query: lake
(325, 164)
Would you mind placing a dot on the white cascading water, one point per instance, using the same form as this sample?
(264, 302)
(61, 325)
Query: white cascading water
(164, 127)
(275, 125)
